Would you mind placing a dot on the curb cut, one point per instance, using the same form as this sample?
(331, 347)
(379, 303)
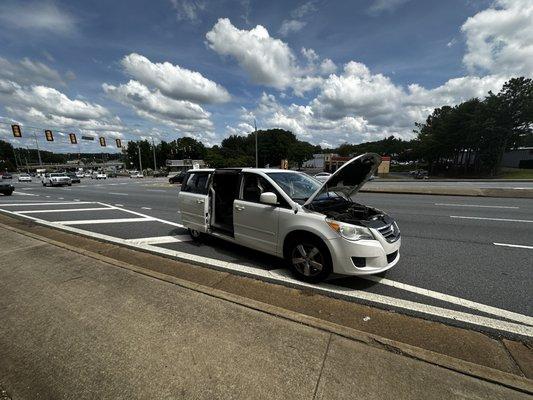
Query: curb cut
(511, 381)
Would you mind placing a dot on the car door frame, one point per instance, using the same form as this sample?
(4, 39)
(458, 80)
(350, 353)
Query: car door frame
(190, 204)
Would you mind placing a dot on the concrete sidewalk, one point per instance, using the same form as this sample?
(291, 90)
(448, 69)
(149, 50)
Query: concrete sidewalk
(74, 327)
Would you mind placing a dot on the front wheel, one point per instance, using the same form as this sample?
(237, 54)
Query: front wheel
(309, 259)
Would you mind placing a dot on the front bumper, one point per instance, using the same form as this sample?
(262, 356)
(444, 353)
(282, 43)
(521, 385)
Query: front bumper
(376, 255)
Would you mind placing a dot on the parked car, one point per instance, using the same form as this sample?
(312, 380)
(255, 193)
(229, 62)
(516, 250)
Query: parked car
(6, 189)
(421, 174)
(136, 175)
(24, 178)
(80, 175)
(317, 227)
(98, 175)
(159, 174)
(73, 177)
(7, 175)
(322, 176)
(56, 179)
(178, 178)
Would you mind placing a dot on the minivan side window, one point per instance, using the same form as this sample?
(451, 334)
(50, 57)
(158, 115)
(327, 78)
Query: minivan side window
(254, 185)
(196, 182)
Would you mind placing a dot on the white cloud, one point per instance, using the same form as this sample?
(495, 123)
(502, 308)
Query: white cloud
(188, 9)
(37, 16)
(267, 60)
(500, 39)
(152, 104)
(28, 72)
(291, 25)
(174, 81)
(381, 6)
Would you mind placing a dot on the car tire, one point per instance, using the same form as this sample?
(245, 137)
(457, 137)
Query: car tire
(196, 236)
(314, 260)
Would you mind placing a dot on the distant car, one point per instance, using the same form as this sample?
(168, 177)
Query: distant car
(98, 175)
(178, 178)
(74, 177)
(7, 175)
(322, 176)
(159, 174)
(24, 178)
(80, 175)
(88, 174)
(56, 179)
(6, 188)
(421, 174)
(136, 175)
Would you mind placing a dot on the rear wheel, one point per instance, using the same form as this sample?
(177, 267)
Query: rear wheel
(309, 259)
(195, 235)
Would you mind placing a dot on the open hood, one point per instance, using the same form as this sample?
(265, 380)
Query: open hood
(349, 178)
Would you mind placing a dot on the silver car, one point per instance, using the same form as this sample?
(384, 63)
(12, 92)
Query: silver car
(317, 227)
(56, 179)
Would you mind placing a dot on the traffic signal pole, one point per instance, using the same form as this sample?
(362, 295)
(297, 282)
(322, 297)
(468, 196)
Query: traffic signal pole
(153, 149)
(38, 151)
(140, 161)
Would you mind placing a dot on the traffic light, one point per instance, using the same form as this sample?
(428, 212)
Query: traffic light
(16, 130)
(49, 135)
(102, 141)
(72, 137)
(119, 142)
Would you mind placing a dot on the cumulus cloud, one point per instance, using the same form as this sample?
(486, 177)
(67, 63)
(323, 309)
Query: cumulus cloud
(500, 39)
(154, 105)
(174, 81)
(39, 16)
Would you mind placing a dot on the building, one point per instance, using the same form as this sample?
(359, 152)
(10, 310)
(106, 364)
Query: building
(317, 162)
(184, 165)
(521, 157)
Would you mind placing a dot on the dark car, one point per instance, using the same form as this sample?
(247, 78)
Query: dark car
(6, 188)
(73, 177)
(178, 178)
(7, 175)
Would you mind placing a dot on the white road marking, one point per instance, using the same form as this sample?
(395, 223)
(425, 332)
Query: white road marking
(520, 246)
(119, 205)
(492, 219)
(146, 216)
(61, 198)
(472, 205)
(24, 194)
(47, 197)
(49, 203)
(160, 239)
(103, 221)
(119, 194)
(76, 199)
(65, 210)
(146, 208)
(453, 300)
(156, 190)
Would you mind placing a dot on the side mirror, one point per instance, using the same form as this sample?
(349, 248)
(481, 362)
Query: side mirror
(269, 198)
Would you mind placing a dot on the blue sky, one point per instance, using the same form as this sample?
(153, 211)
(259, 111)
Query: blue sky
(330, 71)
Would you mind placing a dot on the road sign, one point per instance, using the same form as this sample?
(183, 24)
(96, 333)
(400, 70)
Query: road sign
(87, 138)
(16, 130)
(72, 137)
(102, 141)
(49, 135)
(118, 142)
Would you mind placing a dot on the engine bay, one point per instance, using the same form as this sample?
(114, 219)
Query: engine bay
(349, 212)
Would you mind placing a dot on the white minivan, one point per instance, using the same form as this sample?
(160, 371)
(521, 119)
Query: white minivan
(317, 227)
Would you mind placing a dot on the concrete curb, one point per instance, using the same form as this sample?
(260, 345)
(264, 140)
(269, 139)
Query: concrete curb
(515, 382)
(445, 191)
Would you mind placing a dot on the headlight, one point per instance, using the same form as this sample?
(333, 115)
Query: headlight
(350, 232)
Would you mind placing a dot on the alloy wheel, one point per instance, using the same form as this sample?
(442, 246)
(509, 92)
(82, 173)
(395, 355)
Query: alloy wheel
(307, 259)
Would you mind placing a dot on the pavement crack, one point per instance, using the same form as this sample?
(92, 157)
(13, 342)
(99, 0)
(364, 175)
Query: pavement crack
(72, 279)
(322, 366)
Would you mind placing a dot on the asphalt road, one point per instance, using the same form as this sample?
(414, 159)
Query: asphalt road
(481, 184)
(450, 262)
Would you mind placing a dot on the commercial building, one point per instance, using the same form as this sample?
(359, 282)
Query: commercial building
(184, 165)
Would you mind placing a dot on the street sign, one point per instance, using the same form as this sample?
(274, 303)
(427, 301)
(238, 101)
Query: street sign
(118, 142)
(87, 138)
(16, 130)
(72, 137)
(102, 141)
(49, 135)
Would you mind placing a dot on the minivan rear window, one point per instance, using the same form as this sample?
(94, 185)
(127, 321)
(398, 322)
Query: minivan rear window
(196, 182)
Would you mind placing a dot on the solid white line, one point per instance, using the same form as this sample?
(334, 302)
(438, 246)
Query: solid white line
(24, 194)
(520, 246)
(65, 210)
(146, 208)
(452, 299)
(119, 205)
(144, 215)
(492, 219)
(473, 205)
(283, 276)
(103, 221)
(47, 204)
(119, 194)
(160, 239)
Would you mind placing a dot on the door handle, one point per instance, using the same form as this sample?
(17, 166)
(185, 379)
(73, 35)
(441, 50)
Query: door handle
(239, 208)
(199, 201)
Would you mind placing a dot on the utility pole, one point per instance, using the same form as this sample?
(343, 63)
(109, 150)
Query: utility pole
(38, 151)
(140, 161)
(153, 149)
(256, 157)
